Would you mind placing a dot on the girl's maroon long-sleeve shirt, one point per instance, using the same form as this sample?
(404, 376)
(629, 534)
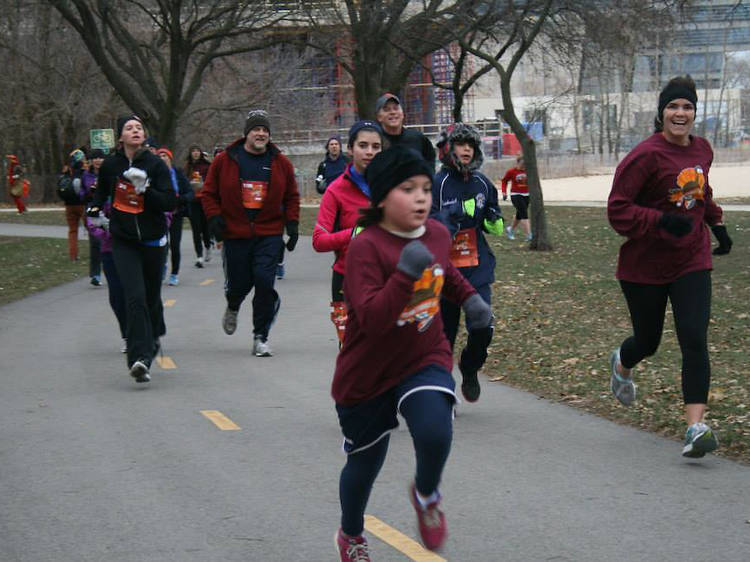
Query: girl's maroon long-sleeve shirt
(394, 327)
(659, 177)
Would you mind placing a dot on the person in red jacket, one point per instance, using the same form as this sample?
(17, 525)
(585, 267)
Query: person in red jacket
(519, 196)
(250, 195)
(395, 357)
(339, 211)
(662, 202)
(18, 187)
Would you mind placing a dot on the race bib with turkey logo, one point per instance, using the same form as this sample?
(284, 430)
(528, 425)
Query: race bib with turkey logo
(126, 199)
(254, 193)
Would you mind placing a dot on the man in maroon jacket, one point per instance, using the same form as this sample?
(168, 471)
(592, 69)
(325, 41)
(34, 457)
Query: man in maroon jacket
(249, 196)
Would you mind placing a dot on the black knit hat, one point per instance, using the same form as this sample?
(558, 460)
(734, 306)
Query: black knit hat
(257, 118)
(124, 119)
(391, 167)
(97, 153)
(680, 87)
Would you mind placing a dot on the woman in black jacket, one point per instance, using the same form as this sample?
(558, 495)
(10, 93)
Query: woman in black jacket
(139, 186)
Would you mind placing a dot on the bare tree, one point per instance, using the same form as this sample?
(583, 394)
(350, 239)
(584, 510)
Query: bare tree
(378, 41)
(155, 53)
(518, 36)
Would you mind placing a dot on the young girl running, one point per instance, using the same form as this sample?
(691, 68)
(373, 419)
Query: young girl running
(395, 356)
(339, 211)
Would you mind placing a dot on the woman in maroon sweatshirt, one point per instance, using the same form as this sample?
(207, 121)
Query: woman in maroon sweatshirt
(395, 356)
(661, 201)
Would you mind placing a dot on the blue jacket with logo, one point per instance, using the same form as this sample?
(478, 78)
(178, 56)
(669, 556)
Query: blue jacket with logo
(449, 190)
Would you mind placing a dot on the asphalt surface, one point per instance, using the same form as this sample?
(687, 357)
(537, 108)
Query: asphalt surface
(96, 468)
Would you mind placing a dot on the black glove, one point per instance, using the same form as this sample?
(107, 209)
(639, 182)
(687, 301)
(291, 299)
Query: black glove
(93, 212)
(292, 231)
(415, 257)
(725, 242)
(676, 225)
(216, 227)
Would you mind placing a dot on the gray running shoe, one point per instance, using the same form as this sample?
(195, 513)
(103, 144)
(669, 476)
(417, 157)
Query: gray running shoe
(699, 440)
(261, 348)
(139, 371)
(622, 387)
(229, 322)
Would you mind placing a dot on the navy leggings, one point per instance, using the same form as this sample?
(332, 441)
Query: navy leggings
(474, 354)
(429, 416)
(690, 296)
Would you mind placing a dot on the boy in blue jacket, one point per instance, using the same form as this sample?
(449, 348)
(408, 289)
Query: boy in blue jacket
(465, 201)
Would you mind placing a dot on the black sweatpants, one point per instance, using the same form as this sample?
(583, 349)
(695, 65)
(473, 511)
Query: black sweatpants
(116, 293)
(139, 268)
(690, 296)
(199, 226)
(474, 354)
(251, 264)
(95, 256)
(175, 237)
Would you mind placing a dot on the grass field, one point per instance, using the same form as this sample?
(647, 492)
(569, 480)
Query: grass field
(559, 315)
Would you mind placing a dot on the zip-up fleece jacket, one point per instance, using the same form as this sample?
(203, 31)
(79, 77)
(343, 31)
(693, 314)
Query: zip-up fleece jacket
(159, 197)
(337, 216)
(449, 189)
(222, 195)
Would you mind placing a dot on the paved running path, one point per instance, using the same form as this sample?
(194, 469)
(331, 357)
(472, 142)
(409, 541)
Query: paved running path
(94, 468)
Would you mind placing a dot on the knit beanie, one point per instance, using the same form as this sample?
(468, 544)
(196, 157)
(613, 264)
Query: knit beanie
(360, 125)
(391, 167)
(677, 88)
(257, 118)
(124, 119)
(165, 151)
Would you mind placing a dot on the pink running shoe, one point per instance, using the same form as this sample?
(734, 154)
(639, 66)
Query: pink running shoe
(352, 549)
(432, 527)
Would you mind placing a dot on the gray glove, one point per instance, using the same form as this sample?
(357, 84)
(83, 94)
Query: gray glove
(478, 313)
(415, 257)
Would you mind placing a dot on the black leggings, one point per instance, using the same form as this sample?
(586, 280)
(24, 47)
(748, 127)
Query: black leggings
(428, 413)
(690, 296)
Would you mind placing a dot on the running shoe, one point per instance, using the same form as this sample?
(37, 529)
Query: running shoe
(199, 263)
(174, 280)
(280, 271)
(96, 281)
(261, 348)
(352, 549)
(431, 520)
(529, 237)
(139, 371)
(622, 387)
(470, 385)
(509, 233)
(699, 440)
(229, 322)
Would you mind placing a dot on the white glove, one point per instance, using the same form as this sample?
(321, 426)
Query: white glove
(100, 221)
(138, 178)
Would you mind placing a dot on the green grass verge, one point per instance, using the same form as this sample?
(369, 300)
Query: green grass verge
(28, 265)
(559, 315)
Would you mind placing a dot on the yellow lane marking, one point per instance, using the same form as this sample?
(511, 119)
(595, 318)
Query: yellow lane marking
(170, 302)
(399, 541)
(206, 282)
(220, 420)
(165, 362)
